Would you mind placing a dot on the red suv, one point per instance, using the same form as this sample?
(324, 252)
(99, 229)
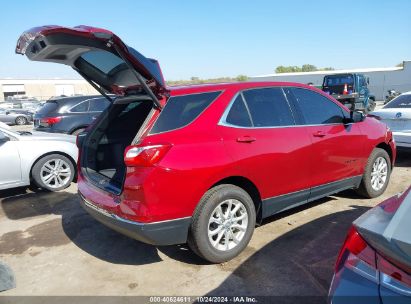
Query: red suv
(202, 164)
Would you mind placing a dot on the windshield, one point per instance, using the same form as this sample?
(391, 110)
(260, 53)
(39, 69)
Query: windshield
(402, 101)
(338, 80)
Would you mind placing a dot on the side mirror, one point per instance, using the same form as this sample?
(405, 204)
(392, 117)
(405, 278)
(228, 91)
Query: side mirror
(3, 138)
(7, 112)
(357, 116)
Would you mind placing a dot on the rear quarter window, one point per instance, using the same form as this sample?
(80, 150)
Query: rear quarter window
(48, 107)
(182, 110)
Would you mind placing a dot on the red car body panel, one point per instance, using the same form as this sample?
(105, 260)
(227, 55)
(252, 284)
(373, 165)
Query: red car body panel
(204, 153)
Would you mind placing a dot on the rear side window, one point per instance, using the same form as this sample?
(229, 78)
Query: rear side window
(98, 105)
(268, 107)
(182, 110)
(265, 107)
(81, 107)
(317, 109)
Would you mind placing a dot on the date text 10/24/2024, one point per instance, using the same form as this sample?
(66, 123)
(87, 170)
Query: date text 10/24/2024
(202, 299)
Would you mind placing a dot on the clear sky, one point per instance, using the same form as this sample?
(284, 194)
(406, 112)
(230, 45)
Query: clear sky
(213, 38)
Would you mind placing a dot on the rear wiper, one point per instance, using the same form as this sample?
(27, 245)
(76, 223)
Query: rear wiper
(25, 133)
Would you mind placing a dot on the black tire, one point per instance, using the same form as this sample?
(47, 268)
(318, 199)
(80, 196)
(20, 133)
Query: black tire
(78, 131)
(371, 105)
(366, 188)
(37, 172)
(198, 239)
(21, 120)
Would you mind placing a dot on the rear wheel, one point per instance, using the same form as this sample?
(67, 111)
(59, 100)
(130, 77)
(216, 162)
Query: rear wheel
(21, 120)
(223, 223)
(377, 174)
(53, 172)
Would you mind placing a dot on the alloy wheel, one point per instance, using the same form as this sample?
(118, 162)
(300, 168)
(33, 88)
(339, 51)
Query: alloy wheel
(55, 173)
(20, 121)
(379, 173)
(227, 225)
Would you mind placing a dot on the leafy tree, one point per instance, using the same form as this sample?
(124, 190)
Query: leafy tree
(308, 68)
(197, 80)
(303, 68)
(241, 78)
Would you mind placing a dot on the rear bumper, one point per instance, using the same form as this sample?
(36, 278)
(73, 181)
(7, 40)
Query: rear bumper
(162, 233)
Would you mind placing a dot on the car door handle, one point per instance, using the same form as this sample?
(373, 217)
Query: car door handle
(319, 134)
(246, 139)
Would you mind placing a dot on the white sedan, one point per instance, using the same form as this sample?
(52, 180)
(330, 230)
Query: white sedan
(48, 160)
(397, 115)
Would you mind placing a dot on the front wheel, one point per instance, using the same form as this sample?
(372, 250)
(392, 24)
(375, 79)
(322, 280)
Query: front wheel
(376, 175)
(222, 224)
(53, 172)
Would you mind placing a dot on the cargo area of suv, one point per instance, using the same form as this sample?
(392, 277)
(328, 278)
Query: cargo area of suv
(103, 148)
(113, 69)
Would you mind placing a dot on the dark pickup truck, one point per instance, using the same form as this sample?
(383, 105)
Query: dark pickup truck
(351, 90)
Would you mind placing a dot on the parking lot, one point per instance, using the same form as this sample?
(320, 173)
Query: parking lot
(55, 248)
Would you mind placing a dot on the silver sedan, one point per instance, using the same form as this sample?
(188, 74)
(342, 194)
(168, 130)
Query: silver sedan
(48, 160)
(397, 115)
(15, 116)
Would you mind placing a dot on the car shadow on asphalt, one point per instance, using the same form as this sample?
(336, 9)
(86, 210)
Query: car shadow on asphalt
(300, 262)
(75, 225)
(89, 235)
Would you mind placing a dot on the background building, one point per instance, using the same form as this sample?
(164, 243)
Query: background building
(381, 79)
(43, 89)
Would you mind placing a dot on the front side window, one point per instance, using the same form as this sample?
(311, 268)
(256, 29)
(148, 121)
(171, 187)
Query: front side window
(317, 109)
(182, 110)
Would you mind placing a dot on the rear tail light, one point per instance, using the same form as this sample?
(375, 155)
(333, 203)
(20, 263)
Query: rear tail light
(359, 257)
(145, 156)
(49, 121)
(356, 253)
